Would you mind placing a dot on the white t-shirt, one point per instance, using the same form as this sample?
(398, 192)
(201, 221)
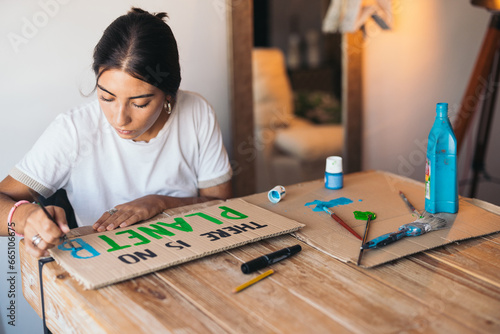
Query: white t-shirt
(81, 153)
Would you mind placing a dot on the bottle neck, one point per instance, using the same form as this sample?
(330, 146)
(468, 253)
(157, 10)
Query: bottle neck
(442, 110)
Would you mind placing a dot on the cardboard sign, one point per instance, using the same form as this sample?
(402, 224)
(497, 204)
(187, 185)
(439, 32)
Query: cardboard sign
(114, 256)
(377, 192)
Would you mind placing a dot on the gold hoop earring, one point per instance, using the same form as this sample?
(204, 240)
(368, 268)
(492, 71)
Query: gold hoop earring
(168, 107)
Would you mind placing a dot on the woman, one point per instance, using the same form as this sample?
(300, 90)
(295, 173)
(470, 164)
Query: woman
(144, 146)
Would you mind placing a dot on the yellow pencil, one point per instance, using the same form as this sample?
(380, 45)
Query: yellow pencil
(254, 280)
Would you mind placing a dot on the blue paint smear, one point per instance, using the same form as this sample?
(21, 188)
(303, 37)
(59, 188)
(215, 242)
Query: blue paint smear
(319, 205)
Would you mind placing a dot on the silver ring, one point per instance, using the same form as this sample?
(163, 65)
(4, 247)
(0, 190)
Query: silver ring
(112, 211)
(36, 240)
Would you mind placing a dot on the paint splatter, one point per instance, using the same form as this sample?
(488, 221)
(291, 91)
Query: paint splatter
(363, 215)
(319, 205)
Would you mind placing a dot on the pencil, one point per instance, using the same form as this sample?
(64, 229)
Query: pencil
(253, 281)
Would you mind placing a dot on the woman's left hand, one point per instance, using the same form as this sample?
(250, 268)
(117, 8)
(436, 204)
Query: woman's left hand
(149, 206)
(130, 213)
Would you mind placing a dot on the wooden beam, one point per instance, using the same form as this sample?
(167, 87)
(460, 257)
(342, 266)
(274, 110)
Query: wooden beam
(240, 13)
(352, 100)
(478, 82)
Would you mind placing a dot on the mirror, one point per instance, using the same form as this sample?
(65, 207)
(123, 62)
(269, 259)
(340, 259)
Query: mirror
(253, 145)
(297, 80)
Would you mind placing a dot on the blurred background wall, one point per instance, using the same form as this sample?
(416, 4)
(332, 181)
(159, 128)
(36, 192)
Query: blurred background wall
(427, 57)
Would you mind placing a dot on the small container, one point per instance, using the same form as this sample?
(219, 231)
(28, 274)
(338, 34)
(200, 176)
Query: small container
(334, 177)
(276, 194)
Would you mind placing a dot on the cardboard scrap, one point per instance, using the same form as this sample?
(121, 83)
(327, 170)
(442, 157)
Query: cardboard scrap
(165, 241)
(377, 192)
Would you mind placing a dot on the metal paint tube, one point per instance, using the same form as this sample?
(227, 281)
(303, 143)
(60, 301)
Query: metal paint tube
(276, 194)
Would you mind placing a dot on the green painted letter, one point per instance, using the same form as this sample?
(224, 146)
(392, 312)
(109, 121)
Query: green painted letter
(155, 230)
(134, 234)
(227, 211)
(112, 243)
(207, 217)
(180, 224)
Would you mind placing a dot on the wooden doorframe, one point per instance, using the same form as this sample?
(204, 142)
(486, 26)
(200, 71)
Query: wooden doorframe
(240, 35)
(352, 100)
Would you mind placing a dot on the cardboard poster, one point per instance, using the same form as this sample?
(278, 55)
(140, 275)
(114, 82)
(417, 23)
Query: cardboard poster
(376, 192)
(114, 256)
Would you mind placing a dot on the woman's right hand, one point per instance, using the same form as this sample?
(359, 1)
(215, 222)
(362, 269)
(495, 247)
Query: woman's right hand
(37, 223)
(29, 219)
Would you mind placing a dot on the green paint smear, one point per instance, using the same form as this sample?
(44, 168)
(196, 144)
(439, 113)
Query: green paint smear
(320, 205)
(363, 215)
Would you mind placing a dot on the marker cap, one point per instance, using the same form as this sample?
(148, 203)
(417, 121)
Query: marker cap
(254, 265)
(266, 260)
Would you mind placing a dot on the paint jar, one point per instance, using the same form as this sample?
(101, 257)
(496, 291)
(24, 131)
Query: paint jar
(334, 178)
(276, 194)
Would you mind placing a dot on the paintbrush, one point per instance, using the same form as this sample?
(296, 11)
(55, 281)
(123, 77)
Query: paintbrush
(409, 205)
(340, 221)
(365, 235)
(418, 227)
(64, 237)
(39, 202)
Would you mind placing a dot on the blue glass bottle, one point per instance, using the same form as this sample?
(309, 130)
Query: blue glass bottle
(441, 186)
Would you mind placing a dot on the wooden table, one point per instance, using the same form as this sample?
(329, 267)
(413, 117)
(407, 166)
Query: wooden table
(452, 289)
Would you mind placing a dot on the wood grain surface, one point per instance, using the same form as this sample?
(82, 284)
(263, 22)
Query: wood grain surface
(310, 292)
(451, 289)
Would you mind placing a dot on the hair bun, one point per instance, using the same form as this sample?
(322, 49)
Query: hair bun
(160, 15)
(137, 10)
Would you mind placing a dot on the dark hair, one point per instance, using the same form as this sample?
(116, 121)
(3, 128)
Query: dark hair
(142, 45)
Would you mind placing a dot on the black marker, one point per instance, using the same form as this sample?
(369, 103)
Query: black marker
(268, 259)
